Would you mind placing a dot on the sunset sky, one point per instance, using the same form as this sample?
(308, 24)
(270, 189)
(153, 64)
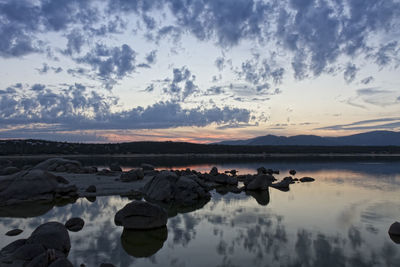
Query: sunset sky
(197, 70)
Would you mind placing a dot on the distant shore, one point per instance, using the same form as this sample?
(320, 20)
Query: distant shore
(209, 155)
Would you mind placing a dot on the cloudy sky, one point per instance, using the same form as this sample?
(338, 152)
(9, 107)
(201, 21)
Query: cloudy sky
(197, 70)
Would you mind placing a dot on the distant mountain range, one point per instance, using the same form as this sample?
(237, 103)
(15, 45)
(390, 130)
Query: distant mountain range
(375, 138)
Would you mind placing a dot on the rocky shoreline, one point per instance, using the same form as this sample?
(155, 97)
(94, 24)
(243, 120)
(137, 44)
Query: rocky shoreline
(159, 194)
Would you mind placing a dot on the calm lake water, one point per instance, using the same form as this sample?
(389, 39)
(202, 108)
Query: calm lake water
(341, 219)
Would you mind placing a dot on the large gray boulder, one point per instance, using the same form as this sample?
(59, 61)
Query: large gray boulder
(141, 215)
(260, 182)
(33, 185)
(168, 187)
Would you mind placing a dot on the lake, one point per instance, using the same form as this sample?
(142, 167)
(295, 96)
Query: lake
(341, 219)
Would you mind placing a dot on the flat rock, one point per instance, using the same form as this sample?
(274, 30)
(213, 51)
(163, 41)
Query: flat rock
(141, 215)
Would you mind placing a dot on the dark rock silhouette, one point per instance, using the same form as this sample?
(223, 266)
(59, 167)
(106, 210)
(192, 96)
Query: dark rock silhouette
(143, 243)
(75, 224)
(141, 215)
(14, 232)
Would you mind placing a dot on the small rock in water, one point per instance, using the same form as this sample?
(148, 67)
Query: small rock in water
(292, 172)
(14, 232)
(75, 224)
(394, 229)
(91, 189)
(307, 179)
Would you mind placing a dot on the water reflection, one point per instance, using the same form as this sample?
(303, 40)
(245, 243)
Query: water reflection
(144, 243)
(325, 223)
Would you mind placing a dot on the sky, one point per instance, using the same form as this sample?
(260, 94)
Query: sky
(197, 70)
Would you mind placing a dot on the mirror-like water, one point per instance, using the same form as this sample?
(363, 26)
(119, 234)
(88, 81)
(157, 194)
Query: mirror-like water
(341, 219)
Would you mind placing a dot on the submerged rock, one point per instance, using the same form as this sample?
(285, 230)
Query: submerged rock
(141, 215)
(143, 243)
(75, 224)
(14, 232)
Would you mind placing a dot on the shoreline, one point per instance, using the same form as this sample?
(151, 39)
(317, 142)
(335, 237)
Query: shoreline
(210, 155)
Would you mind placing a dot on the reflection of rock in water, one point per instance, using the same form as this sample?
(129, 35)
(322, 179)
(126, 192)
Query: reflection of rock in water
(262, 197)
(174, 209)
(395, 238)
(143, 243)
(31, 209)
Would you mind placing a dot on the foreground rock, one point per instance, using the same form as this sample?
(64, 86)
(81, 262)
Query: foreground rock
(141, 215)
(75, 224)
(48, 245)
(169, 187)
(33, 185)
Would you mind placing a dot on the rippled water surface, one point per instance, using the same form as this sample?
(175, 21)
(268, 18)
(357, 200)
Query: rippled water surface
(341, 219)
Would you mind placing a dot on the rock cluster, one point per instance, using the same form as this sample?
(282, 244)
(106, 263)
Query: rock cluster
(48, 245)
(64, 165)
(168, 187)
(132, 175)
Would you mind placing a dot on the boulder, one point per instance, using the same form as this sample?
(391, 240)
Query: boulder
(168, 187)
(115, 167)
(161, 186)
(214, 171)
(59, 165)
(51, 235)
(141, 215)
(33, 185)
(261, 170)
(147, 167)
(292, 172)
(75, 224)
(260, 182)
(49, 242)
(307, 179)
(394, 229)
(14, 232)
(132, 175)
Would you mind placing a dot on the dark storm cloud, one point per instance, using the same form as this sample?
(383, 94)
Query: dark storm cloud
(75, 107)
